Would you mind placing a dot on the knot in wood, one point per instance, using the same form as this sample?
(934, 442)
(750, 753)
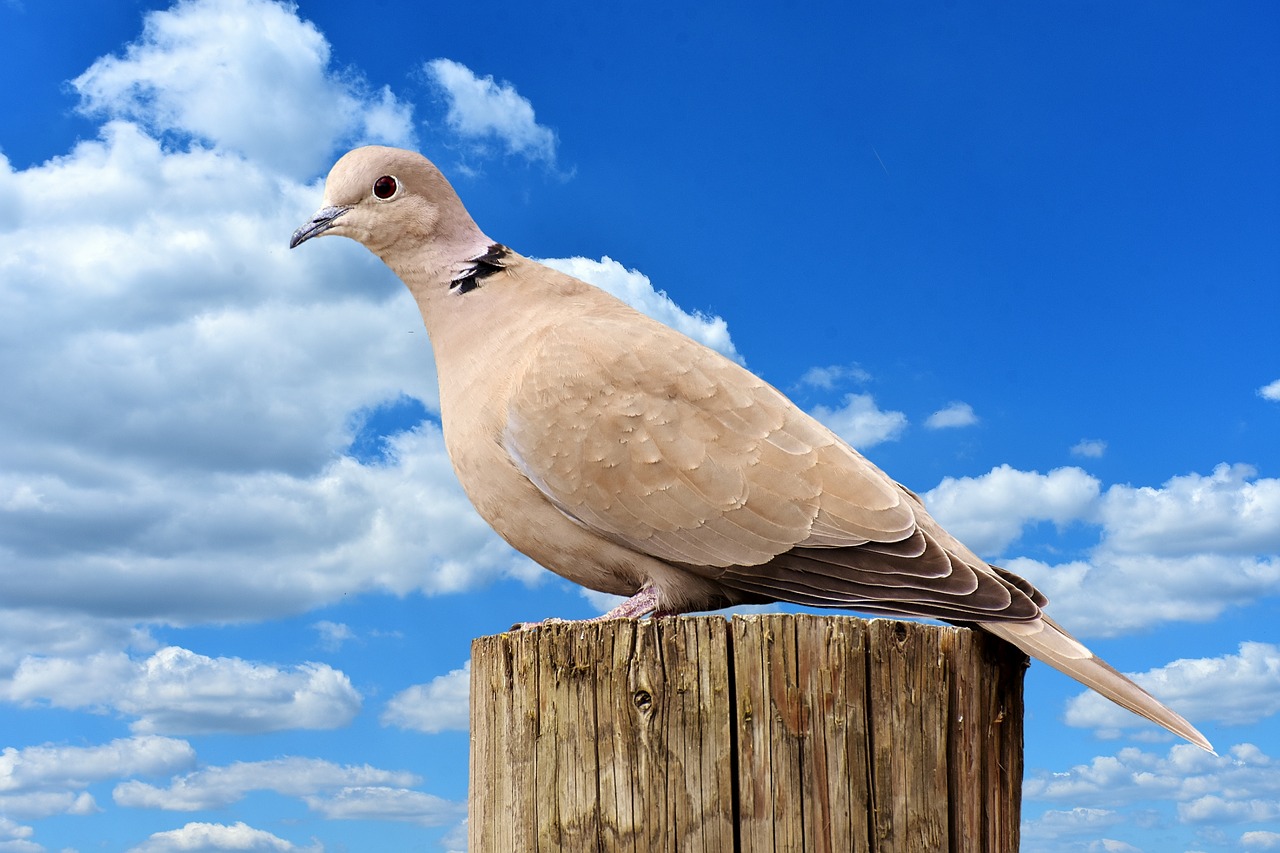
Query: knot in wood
(642, 699)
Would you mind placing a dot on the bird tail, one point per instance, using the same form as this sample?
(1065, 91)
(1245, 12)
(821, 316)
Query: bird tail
(1045, 640)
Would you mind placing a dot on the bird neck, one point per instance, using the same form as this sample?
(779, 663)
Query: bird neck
(441, 272)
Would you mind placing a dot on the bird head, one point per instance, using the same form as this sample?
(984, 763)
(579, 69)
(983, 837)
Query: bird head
(395, 202)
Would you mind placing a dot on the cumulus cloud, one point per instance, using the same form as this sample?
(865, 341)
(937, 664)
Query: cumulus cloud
(211, 837)
(221, 786)
(635, 288)
(1185, 551)
(24, 633)
(212, 489)
(481, 109)
(1270, 391)
(1109, 595)
(952, 415)
(39, 781)
(989, 512)
(199, 69)
(1055, 824)
(860, 422)
(1218, 809)
(182, 390)
(179, 691)
(442, 704)
(1089, 448)
(39, 804)
(11, 830)
(1229, 787)
(1230, 511)
(40, 767)
(383, 803)
(180, 397)
(182, 394)
(1232, 689)
(1260, 840)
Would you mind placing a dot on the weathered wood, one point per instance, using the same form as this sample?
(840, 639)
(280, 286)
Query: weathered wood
(774, 733)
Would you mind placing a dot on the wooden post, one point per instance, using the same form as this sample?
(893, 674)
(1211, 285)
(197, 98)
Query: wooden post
(774, 732)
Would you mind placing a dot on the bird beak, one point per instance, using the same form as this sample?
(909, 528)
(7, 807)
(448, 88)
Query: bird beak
(320, 223)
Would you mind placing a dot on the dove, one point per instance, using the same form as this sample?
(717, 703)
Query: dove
(630, 459)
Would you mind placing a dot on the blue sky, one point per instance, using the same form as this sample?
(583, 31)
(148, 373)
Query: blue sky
(1025, 258)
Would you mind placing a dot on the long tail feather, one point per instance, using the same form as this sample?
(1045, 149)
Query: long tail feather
(1045, 640)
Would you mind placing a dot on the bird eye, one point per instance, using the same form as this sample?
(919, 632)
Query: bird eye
(385, 187)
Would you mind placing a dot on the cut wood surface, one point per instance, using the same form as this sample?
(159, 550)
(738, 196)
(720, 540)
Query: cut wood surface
(773, 732)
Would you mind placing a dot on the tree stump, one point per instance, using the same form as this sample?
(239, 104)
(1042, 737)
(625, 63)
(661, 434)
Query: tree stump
(771, 732)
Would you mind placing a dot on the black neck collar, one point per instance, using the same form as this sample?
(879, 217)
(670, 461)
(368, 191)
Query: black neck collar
(481, 267)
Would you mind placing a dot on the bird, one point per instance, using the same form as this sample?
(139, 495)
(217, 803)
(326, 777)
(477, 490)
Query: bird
(630, 459)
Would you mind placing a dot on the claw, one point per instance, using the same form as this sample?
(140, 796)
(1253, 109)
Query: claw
(643, 603)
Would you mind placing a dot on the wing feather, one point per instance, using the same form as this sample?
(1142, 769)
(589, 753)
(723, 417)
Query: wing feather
(668, 447)
(664, 446)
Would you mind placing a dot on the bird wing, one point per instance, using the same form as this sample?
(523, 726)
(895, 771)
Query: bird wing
(655, 441)
(667, 447)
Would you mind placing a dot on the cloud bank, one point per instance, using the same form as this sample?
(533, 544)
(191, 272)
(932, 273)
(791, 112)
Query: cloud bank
(480, 110)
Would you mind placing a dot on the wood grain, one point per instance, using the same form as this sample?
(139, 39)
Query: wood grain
(775, 732)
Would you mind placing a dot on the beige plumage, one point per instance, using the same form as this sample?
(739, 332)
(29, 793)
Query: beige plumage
(628, 458)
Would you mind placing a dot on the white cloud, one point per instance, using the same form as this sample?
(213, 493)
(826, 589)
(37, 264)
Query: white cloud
(1223, 513)
(1232, 689)
(1260, 840)
(1109, 595)
(479, 108)
(62, 634)
(179, 691)
(443, 704)
(1111, 845)
(1230, 787)
(21, 846)
(1185, 551)
(1270, 391)
(219, 787)
(952, 415)
(10, 829)
(333, 634)
(39, 781)
(828, 378)
(38, 804)
(383, 803)
(223, 370)
(1078, 821)
(41, 767)
(1215, 809)
(455, 840)
(1089, 448)
(213, 837)
(860, 422)
(988, 512)
(246, 76)
(215, 492)
(634, 288)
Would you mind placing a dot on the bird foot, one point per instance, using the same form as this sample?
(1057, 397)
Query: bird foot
(643, 603)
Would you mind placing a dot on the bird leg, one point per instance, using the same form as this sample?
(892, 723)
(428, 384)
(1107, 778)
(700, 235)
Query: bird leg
(643, 603)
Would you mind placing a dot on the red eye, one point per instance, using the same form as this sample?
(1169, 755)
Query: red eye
(385, 187)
